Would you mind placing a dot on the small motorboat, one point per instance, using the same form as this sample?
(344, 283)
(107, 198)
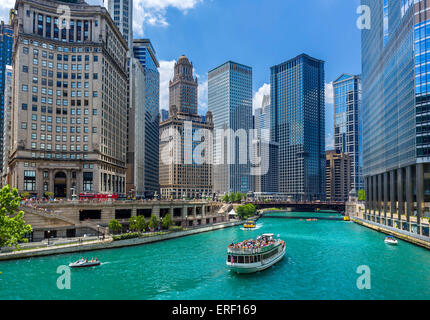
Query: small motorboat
(391, 240)
(84, 264)
(250, 224)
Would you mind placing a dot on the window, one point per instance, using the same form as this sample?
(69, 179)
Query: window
(88, 181)
(29, 180)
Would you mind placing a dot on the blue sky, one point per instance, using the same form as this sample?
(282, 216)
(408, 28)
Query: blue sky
(258, 33)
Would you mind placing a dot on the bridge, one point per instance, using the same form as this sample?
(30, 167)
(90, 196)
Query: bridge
(302, 206)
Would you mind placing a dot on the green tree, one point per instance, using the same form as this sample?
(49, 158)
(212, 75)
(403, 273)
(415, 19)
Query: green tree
(115, 226)
(225, 198)
(246, 211)
(361, 195)
(49, 195)
(132, 224)
(12, 224)
(25, 195)
(167, 221)
(142, 225)
(153, 222)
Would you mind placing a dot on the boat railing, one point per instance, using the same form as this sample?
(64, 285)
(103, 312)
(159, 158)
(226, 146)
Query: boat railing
(253, 250)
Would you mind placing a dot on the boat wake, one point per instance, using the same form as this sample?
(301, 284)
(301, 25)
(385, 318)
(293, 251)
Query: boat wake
(258, 226)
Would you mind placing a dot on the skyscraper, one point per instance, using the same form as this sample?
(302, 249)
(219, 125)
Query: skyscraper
(347, 123)
(298, 106)
(69, 109)
(396, 100)
(121, 12)
(230, 101)
(6, 45)
(143, 118)
(7, 124)
(186, 140)
(183, 87)
(338, 175)
(266, 180)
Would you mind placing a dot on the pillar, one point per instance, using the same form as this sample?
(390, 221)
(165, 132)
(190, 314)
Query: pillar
(392, 193)
(380, 199)
(400, 193)
(366, 191)
(420, 195)
(375, 194)
(409, 195)
(386, 192)
(370, 194)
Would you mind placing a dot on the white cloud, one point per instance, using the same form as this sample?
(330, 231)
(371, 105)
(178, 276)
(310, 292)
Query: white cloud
(5, 6)
(166, 74)
(259, 95)
(329, 141)
(203, 96)
(153, 12)
(329, 93)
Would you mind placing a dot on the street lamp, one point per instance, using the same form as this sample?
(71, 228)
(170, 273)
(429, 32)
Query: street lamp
(49, 235)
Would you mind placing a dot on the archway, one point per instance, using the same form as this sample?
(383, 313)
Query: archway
(60, 185)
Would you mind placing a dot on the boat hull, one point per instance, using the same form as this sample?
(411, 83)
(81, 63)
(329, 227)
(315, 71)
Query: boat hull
(85, 265)
(256, 267)
(393, 243)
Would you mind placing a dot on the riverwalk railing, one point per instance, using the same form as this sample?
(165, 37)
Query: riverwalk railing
(403, 232)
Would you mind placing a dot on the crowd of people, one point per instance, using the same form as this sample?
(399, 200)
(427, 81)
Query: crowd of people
(252, 244)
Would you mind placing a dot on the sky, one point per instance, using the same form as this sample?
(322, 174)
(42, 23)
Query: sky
(257, 33)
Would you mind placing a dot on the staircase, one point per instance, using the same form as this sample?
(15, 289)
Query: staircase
(53, 215)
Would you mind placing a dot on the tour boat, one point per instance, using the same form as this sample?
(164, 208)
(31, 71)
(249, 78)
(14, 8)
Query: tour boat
(84, 264)
(250, 224)
(251, 256)
(391, 240)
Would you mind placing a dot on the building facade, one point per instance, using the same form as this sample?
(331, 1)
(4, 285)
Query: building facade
(143, 122)
(230, 101)
(396, 100)
(7, 124)
(267, 179)
(338, 176)
(6, 45)
(348, 124)
(298, 125)
(69, 104)
(121, 12)
(186, 141)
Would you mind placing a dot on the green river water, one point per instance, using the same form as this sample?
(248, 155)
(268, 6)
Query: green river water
(321, 263)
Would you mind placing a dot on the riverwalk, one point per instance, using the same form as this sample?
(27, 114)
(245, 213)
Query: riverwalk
(109, 243)
(416, 239)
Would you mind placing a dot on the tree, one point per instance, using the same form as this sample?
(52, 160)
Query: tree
(225, 198)
(49, 195)
(246, 211)
(142, 225)
(25, 195)
(361, 195)
(115, 226)
(12, 224)
(153, 222)
(132, 224)
(167, 221)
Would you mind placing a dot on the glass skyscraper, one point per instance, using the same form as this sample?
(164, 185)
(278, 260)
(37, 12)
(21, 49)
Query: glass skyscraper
(267, 180)
(6, 44)
(347, 124)
(297, 124)
(146, 117)
(230, 101)
(396, 102)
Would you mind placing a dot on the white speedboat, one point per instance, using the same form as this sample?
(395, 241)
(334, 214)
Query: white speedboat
(391, 240)
(84, 264)
(255, 255)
